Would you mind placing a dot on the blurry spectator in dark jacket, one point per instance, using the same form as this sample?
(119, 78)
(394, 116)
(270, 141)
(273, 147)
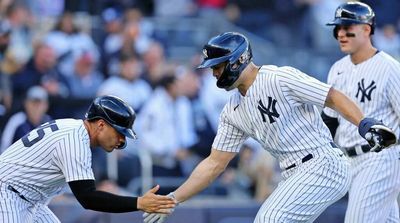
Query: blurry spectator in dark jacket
(155, 64)
(34, 114)
(40, 70)
(5, 91)
(83, 83)
(85, 76)
(110, 37)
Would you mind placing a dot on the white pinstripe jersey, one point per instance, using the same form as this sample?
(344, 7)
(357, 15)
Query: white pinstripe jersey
(279, 111)
(374, 86)
(40, 163)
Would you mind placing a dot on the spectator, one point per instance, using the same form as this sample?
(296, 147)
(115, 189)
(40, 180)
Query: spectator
(155, 64)
(85, 76)
(134, 39)
(111, 36)
(21, 33)
(128, 85)
(146, 29)
(69, 43)
(34, 114)
(131, 88)
(166, 124)
(40, 70)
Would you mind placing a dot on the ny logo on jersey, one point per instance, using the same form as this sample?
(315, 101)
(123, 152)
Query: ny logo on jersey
(267, 110)
(365, 92)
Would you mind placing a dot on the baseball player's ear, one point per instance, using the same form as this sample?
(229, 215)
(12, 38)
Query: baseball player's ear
(99, 124)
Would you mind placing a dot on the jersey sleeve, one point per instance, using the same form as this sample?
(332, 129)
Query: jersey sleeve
(74, 158)
(229, 138)
(329, 111)
(302, 88)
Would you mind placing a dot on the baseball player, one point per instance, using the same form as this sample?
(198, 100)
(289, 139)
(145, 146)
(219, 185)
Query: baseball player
(277, 106)
(39, 165)
(371, 78)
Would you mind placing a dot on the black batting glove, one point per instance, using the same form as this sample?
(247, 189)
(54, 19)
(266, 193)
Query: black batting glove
(377, 134)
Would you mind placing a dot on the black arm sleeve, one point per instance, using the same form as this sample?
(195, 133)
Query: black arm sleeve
(90, 198)
(331, 122)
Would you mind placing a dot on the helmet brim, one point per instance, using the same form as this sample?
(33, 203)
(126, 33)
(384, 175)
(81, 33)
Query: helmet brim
(343, 21)
(212, 62)
(125, 131)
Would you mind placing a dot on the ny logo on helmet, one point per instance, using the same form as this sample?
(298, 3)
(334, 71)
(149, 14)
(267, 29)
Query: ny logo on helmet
(205, 53)
(245, 56)
(339, 12)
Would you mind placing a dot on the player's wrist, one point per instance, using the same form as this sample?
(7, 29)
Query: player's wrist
(365, 125)
(138, 203)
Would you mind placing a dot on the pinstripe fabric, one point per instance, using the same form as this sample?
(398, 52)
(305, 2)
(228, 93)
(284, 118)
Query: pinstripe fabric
(384, 105)
(376, 179)
(298, 130)
(375, 188)
(45, 215)
(40, 172)
(308, 190)
(280, 111)
(12, 208)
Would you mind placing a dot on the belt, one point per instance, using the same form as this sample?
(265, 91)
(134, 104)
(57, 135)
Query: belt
(357, 150)
(308, 157)
(9, 187)
(303, 160)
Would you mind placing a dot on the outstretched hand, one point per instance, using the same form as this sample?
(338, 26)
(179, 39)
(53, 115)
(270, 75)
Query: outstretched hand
(158, 218)
(153, 203)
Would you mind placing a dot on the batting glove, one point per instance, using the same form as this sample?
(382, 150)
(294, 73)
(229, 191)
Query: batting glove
(158, 218)
(378, 135)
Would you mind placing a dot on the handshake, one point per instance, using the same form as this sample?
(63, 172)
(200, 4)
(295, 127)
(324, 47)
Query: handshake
(156, 217)
(377, 134)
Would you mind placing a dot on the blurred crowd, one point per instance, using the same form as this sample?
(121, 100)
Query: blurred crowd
(54, 59)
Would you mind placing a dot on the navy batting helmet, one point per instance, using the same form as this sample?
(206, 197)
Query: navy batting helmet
(115, 112)
(350, 13)
(230, 47)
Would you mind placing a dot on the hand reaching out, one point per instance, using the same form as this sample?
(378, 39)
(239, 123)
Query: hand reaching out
(153, 203)
(158, 218)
